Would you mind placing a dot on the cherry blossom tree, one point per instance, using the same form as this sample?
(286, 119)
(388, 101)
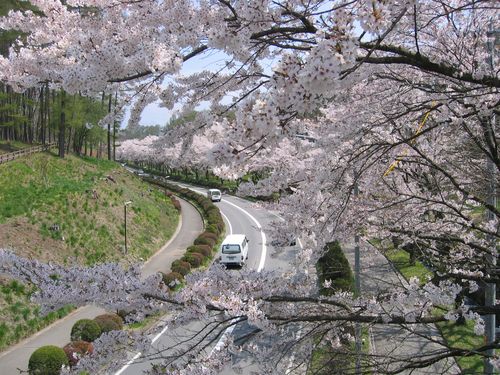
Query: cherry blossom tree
(399, 100)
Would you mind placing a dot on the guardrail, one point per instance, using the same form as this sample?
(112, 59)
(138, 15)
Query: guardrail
(26, 151)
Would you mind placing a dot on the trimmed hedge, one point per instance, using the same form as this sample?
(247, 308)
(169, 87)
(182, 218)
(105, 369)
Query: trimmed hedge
(181, 267)
(204, 241)
(204, 250)
(170, 278)
(47, 360)
(76, 349)
(209, 235)
(86, 330)
(109, 322)
(194, 259)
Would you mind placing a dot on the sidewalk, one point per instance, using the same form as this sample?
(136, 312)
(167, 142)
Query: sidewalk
(15, 359)
(393, 343)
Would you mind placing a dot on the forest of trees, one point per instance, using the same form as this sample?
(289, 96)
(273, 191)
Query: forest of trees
(44, 115)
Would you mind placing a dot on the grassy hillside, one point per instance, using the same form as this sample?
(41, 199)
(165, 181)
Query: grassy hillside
(71, 211)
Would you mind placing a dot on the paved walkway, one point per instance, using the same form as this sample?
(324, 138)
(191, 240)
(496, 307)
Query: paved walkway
(15, 360)
(392, 344)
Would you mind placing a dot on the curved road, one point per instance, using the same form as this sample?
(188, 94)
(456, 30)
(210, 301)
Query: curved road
(58, 333)
(240, 218)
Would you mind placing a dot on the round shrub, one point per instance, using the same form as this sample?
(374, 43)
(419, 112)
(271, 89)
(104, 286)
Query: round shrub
(204, 241)
(210, 235)
(170, 278)
(76, 349)
(204, 250)
(193, 259)
(109, 322)
(86, 330)
(47, 360)
(181, 267)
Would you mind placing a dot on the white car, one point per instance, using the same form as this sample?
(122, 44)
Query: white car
(234, 250)
(214, 194)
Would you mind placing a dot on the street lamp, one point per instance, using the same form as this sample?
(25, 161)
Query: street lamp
(125, 216)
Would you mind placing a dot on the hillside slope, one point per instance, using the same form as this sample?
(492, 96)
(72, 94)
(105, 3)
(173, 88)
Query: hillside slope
(72, 210)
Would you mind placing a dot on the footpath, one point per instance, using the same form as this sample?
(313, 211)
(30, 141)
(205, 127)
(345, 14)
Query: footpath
(15, 360)
(393, 346)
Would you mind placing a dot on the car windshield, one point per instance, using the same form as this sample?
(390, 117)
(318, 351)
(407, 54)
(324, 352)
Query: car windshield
(230, 249)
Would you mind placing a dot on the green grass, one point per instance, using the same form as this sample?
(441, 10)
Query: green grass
(401, 260)
(42, 190)
(52, 191)
(20, 317)
(462, 336)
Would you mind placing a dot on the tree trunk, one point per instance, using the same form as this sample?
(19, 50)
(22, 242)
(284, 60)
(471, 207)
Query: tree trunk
(62, 124)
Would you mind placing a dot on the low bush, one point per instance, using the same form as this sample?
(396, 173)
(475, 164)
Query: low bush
(204, 250)
(171, 279)
(212, 228)
(76, 350)
(193, 259)
(47, 360)
(204, 241)
(210, 235)
(181, 267)
(109, 322)
(207, 249)
(86, 330)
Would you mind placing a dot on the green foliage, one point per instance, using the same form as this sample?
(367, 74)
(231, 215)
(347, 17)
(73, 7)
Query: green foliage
(86, 330)
(334, 266)
(181, 267)
(172, 279)
(47, 360)
(194, 259)
(109, 322)
(21, 317)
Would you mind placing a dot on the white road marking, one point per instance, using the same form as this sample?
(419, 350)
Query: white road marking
(230, 329)
(262, 235)
(228, 222)
(128, 363)
(159, 334)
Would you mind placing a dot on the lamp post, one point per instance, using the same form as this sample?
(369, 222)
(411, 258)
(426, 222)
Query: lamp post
(125, 217)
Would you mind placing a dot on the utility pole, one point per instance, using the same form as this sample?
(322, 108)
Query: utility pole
(490, 294)
(357, 280)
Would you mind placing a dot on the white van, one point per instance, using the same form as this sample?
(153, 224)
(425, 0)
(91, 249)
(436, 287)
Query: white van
(214, 195)
(234, 249)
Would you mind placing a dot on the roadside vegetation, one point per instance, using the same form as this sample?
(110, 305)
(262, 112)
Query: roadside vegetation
(205, 246)
(71, 211)
(456, 334)
(333, 268)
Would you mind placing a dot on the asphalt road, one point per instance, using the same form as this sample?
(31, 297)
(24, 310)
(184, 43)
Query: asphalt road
(241, 217)
(58, 333)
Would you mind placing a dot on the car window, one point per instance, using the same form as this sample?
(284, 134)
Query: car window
(231, 249)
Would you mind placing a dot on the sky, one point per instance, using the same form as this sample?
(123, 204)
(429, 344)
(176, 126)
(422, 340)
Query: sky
(153, 114)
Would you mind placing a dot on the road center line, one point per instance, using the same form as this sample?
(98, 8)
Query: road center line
(262, 235)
